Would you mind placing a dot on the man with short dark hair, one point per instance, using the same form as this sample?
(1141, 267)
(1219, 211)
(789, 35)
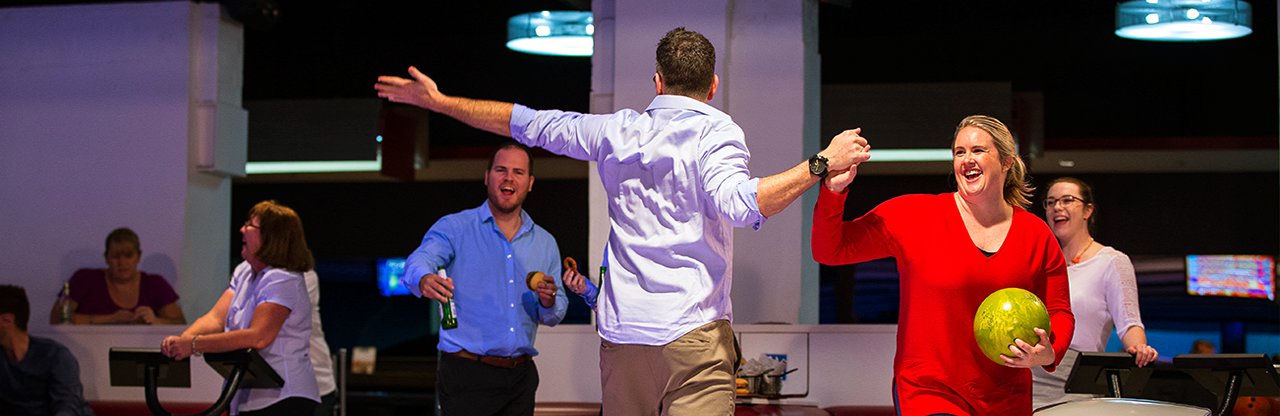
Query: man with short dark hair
(489, 252)
(38, 376)
(677, 184)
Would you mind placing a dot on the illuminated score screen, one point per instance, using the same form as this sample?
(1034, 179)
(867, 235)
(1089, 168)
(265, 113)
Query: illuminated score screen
(1245, 276)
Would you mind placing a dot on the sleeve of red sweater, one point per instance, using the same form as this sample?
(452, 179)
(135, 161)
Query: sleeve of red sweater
(836, 241)
(1058, 301)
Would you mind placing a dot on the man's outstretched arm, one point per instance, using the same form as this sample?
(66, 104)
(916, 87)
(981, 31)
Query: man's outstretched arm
(421, 91)
(774, 193)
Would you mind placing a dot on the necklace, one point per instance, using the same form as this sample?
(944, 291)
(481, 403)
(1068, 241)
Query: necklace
(1076, 259)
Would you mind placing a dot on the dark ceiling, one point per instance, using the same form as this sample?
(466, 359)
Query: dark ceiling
(1096, 86)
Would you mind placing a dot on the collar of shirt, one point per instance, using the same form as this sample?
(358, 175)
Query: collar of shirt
(486, 216)
(680, 102)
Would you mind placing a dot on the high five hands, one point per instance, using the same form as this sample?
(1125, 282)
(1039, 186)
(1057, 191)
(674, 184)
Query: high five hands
(847, 150)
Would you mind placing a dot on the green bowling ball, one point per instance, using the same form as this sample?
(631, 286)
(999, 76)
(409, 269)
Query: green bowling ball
(1005, 315)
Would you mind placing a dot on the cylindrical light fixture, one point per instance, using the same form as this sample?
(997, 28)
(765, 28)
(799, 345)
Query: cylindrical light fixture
(554, 33)
(1183, 20)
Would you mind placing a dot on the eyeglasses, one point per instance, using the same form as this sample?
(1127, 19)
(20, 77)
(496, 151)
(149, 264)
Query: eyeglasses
(1067, 200)
(250, 224)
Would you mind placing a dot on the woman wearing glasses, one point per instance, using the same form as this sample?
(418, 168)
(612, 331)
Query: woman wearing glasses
(953, 250)
(266, 307)
(1104, 292)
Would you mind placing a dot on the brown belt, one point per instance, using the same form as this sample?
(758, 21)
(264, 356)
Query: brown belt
(503, 362)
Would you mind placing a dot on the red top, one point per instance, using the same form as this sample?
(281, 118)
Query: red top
(944, 277)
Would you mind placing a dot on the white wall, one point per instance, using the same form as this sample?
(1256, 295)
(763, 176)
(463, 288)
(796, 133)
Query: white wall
(94, 134)
(838, 364)
(91, 346)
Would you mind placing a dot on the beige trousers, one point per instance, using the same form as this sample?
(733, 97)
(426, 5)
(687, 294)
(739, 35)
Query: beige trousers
(692, 375)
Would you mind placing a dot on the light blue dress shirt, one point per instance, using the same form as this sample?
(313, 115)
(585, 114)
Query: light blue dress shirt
(677, 184)
(497, 313)
(288, 354)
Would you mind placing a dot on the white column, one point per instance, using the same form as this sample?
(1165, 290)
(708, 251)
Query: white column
(772, 65)
(766, 56)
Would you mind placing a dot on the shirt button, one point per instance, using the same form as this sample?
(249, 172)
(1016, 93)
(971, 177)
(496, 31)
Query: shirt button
(511, 281)
(508, 256)
(513, 305)
(511, 329)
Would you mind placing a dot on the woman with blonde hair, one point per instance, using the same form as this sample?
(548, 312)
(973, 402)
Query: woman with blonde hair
(953, 250)
(266, 308)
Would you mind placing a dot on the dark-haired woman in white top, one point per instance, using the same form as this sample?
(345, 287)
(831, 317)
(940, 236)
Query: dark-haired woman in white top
(1104, 290)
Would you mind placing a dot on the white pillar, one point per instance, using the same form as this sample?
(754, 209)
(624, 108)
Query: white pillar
(766, 56)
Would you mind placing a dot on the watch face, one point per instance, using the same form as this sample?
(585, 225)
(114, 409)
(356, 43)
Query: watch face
(817, 166)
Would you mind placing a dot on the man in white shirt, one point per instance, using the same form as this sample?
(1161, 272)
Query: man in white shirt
(677, 183)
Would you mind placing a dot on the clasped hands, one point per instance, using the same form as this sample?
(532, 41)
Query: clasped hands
(177, 347)
(846, 151)
(141, 315)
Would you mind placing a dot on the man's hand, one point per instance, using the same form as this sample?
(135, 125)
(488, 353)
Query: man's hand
(144, 315)
(838, 180)
(1027, 355)
(846, 151)
(547, 291)
(421, 91)
(435, 287)
(574, 281)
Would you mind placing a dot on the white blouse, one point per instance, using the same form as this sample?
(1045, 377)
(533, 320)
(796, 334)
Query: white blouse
(1104, 295)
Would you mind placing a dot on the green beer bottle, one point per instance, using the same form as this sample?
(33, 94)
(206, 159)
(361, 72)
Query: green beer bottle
(64, 303)
(449, 318)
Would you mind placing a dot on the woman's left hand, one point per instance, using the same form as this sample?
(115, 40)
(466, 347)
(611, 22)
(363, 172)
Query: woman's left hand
(1026, 355)
(1143, 354)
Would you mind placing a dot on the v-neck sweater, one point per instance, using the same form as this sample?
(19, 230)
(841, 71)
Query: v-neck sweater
(943, 279)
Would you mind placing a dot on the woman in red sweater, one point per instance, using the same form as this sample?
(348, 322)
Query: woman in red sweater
(953, 250)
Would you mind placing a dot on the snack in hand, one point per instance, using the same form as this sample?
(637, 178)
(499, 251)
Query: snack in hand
(534, 278)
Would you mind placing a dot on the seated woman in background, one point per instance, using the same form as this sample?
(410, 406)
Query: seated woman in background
(1104, 290)
(120, 294)
(266, 307)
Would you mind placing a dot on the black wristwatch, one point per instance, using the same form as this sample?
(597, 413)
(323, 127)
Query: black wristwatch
(818, 165)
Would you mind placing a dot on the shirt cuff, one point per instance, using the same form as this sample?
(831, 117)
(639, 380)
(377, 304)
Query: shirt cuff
(546, 316)
(521, 116)
(589, 294)
(747, 191)
(410, 281)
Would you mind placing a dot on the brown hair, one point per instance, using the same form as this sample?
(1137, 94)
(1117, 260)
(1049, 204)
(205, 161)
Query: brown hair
(283, 243)
(122, 235)
(1086, 195)
(1017, 190)
(513, 145)
(686, 62)
(13, 299)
